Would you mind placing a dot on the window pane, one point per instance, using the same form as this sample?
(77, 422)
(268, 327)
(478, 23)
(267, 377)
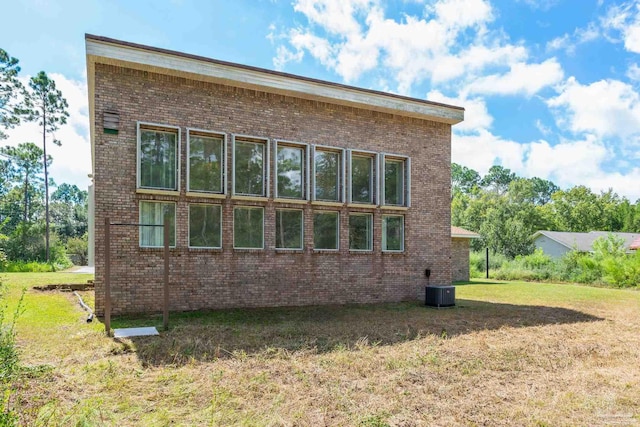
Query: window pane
(360, 234)
(393, 233)
(361, 179)
(288, 229)
(290, 172)
(153, 213)
(204, 226)
(248, 227)
(327, 169)
(158, 166)
(325, 230)
(205, 163)
(394, 182)
(249, 168)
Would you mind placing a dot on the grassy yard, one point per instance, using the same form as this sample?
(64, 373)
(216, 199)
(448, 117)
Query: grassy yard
(508, 354)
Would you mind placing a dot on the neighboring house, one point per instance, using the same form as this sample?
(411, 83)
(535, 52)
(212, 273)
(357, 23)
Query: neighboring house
(557, 243)
(635, 245)
(460, 239)
(280, 189)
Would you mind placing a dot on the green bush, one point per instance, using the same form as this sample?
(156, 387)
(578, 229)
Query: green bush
(79, 248)
(30, 267)
(9, 358)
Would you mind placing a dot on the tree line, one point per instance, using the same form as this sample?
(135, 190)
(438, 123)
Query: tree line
(506, 210)
(34, 224)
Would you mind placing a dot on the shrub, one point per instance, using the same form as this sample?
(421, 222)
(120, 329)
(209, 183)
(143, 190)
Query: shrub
(9, 358)
(78, 248)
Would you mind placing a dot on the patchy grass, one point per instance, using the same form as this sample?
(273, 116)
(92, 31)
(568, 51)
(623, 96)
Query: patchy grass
(508, 354)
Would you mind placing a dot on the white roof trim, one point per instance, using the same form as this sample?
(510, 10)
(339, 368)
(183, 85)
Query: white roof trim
(466, 236)
(106, 51)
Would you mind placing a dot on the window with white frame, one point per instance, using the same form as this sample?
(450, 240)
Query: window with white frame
(289, 229)
(158, 148)
(395, 182)
(291, 166)
(250, 166)
(206, 167)
(205, 226)
(360, 232)
(393, 233)
(326, 230)
(152, 215)
(328, 174)
(363, 181)
(248, 227)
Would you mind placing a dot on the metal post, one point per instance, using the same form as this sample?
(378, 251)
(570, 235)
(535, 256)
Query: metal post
(107, 276)
(165, 313)
(487, 263)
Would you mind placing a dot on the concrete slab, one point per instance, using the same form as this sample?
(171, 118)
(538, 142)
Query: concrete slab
(83, 269)
(135, 332)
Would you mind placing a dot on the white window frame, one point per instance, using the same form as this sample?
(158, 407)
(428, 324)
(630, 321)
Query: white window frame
(337, 213)
(373, 180)
(161, 128)
(210, 134)
(341, 172)
(234, 226)
(371, 234)
(305, 167)
(266, 162)
(301, 230)
(384, 234)
(189, 226)
(175, 226)
(407, 178)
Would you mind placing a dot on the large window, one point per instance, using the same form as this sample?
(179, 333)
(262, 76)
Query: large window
(393, 233)
(289, 226)
(291, 168)
(248, 227)
(250, 167)
(205, 226)
(158, 157)
(206, 162)
(360, 232)
(363, 178)
(327, 175)
(395, 181)
(326, 226)
(152, 214)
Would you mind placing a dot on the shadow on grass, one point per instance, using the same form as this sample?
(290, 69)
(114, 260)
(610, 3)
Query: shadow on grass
(274, 332)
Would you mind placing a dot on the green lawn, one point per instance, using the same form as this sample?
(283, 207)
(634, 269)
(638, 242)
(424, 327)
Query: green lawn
(507, 354)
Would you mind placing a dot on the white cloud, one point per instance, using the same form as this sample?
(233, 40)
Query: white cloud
(633, 72)
(623, 20)
(543, 5)
(476, 115)
(569, 43)
(605, 108)
(72, 160)
(522, 78)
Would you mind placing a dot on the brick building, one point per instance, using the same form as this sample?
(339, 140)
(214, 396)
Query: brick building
(280, 189)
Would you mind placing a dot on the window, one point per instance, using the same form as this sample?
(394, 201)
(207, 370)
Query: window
(326, 226)
(360, 232)
(289, 226)
(158, 157)
(393, 233)
(250, 167)
(205, 226)
(291, 165)
(206, 168)
(152, 213)
(395, 186)
(363, 178)
(248, 228)
(328, 170)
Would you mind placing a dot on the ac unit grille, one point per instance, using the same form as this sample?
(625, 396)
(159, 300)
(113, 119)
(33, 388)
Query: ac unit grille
(440, 296)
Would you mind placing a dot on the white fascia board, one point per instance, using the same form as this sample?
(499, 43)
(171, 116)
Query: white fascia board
(465, 236)
(104, 52)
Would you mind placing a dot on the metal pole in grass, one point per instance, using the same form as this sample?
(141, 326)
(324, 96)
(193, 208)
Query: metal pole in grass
(107, 276)
(487, 263)
(165, 313)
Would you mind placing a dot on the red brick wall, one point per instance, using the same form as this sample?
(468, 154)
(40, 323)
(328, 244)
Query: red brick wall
(231, 278)
(459, 260)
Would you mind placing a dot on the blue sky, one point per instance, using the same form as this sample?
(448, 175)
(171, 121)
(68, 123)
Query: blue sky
(551, 87)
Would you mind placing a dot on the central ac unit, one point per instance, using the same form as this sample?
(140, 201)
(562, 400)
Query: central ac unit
(440, 296)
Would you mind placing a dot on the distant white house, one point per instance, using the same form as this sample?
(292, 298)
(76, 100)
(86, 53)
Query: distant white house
(557, 243)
